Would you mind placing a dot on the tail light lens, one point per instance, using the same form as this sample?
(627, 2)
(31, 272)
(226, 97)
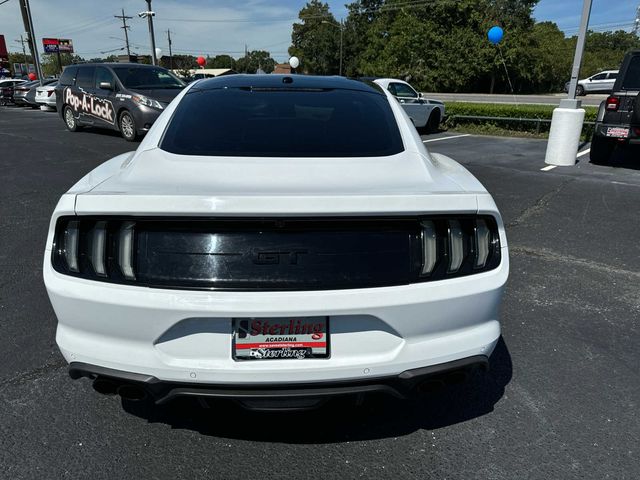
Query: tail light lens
(459, 246)
(612, 104)
(95, 248)
(429, 247)
(70, 246)
(456, 246)
(125, 250)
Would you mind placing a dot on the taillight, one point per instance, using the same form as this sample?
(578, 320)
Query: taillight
(612, 104)
(50, 92)
(459, 246)
(95, 248)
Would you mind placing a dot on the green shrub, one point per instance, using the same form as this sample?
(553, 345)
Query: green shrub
(512, 114)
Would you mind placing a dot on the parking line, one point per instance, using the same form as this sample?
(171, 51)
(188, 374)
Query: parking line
(446, 138)
(584, 152)
(550, 167)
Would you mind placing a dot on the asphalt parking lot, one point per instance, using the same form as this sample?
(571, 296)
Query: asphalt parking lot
(560, 401)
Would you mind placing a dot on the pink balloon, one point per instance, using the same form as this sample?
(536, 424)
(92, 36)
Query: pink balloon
(32, 76)
(201, 61)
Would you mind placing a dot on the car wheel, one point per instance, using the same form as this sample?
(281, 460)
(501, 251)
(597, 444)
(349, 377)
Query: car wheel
(70, 120)
(127, 126)
(601, 150)
(433, 124)
(580, 91)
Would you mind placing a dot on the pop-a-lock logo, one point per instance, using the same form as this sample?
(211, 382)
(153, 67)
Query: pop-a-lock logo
(90, 105)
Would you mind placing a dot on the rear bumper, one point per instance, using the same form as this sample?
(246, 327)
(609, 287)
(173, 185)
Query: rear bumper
(634, 132)
(400, 386)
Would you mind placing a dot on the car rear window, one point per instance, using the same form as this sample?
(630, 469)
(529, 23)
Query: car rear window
(632, 76)
(280, 122)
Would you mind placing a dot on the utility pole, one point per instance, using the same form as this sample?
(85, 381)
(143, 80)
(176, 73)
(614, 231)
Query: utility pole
(568, 118)
(636, 23)
(149, 14)
(27, 19)
(125, 27)
(170, 56)
(24, 53)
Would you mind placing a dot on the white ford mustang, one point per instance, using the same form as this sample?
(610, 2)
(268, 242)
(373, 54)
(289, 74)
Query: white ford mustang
(277, 240)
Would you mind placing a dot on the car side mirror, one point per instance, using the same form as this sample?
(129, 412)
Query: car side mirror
(591, 79)
(106, 86)
(420, 95)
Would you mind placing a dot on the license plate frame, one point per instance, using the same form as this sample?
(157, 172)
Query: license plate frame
(312, 340)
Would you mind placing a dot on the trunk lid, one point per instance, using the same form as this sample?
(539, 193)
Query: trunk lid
(157, 182)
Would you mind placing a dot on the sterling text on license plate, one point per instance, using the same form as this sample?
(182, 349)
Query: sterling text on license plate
(280, 338)
(617, 132)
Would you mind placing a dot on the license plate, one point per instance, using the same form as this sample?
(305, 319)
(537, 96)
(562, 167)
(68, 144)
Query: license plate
(617, 132)
(280, 338)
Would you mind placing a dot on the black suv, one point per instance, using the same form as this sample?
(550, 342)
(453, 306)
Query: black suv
(127, 97)
(618, 120)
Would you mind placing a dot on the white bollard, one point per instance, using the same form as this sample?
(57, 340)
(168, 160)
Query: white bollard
(564, 137)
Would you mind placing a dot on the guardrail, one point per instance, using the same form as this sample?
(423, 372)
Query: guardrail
(538, 121)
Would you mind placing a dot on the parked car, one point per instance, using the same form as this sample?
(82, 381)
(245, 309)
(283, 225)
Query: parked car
(277, 240)
(425, 114)
(601, 82)
(47, 95)
(20, 91)
(7, 86)
(127, 97)
(25, 94)
(618, 120)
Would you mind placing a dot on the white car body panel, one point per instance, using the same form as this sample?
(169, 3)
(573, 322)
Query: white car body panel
(185, 336)
(46, 95)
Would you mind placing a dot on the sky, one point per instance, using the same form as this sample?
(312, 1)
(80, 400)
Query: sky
(211, 27)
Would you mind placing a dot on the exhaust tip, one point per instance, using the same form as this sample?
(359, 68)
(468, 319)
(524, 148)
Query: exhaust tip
(105, 386)
(132, 392)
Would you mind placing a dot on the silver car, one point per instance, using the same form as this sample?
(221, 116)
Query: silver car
(425, 113)
(601, 82)
(46, 95)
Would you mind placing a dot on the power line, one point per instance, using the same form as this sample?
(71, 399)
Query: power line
(125, 27)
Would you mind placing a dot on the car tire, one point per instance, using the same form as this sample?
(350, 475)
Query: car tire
(601, 150)
(127, 126)
(70, 121)
(580, 91)
(433, 124)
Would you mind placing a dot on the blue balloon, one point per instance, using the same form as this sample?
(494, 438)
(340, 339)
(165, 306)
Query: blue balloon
(495, 34)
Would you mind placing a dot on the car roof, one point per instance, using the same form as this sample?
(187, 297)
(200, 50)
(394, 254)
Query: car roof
(293, 81)
(115, 64)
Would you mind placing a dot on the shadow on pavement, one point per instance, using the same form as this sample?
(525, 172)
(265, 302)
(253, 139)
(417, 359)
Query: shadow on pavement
(340, 420)
(625, 156)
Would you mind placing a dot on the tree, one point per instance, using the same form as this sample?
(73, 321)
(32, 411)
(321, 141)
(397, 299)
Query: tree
(605, 50)
(254, 61)
(221, 61)
(316, 40)
(49, 62)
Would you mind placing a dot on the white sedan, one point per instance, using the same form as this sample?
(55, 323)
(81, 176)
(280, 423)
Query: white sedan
(277, 240)
(46, 95)
(425, 113)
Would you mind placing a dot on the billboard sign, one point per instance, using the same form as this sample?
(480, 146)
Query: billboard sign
(57, 45)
